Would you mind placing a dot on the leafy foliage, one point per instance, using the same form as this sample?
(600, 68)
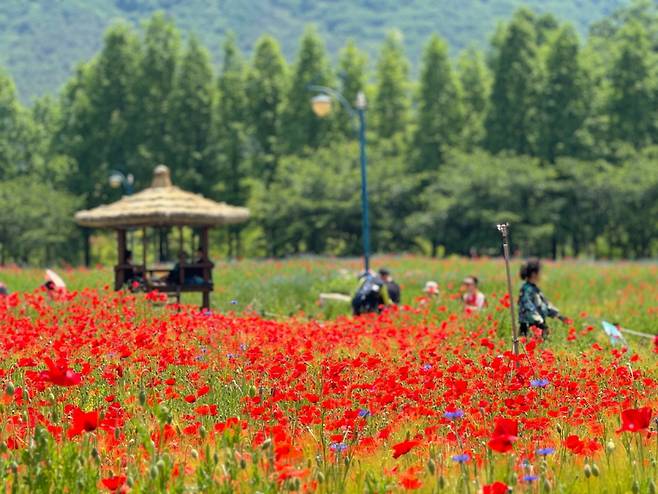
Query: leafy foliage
(542, 130)
(41, 41)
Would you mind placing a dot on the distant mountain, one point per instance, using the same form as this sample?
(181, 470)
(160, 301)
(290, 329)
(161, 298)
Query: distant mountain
(42, 40)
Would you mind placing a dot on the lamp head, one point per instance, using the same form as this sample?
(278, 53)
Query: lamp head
(361, 103)
(321, 105)
(116, 179)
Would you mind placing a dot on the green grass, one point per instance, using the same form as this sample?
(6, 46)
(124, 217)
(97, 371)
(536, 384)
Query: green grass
(623, 292)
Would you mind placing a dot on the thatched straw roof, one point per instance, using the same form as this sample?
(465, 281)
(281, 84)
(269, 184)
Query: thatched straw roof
(162, 204)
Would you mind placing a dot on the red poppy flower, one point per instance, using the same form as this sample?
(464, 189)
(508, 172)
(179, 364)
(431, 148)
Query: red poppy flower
(404, 447)
(501, 444)
(505, 433)
(60, 375)
(635, 419)
(495, 488)
(114, 483)
(506, 427)
(83, 422)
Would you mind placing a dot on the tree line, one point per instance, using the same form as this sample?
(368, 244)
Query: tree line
(555, 134)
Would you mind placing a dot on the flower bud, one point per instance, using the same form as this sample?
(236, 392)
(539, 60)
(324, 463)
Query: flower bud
(610, 446)
(142, 397)
(652, 486)
(636, 487)
(10, 389)
(547, 485)
(587, 470)
(595, 470)
(195, 454)
(431, 466)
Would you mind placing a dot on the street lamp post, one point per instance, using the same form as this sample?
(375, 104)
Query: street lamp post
(321, 105)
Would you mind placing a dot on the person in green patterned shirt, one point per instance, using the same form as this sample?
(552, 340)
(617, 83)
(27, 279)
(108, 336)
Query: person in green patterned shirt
(534, 308)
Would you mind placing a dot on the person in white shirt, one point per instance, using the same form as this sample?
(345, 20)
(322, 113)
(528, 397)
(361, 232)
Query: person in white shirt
(472, 297)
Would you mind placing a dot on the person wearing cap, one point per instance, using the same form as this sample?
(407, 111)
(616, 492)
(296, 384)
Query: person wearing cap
(391, 286)
(472, 297)
(431, 289)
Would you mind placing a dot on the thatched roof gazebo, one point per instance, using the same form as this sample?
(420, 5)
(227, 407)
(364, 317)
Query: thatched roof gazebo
(164, 206)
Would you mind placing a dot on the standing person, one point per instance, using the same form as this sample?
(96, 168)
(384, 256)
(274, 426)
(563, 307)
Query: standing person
(472, 297)
(534, 308)
(371, 295)
(392, 287)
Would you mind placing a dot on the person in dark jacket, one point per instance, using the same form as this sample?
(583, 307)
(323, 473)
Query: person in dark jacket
(392, 287)
(371, 295)
(534, 308)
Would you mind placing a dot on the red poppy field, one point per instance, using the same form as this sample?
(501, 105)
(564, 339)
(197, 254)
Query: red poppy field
(112, 392)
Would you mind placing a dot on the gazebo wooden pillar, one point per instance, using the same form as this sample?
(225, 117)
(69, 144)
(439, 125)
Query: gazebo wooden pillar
(164, 206)
(120, 268)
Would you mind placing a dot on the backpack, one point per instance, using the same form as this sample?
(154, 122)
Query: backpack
(368, 298)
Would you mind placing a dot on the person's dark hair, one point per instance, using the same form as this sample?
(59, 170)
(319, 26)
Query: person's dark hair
(476, 282)
(529, 268)
(128, 254)
(384, 272)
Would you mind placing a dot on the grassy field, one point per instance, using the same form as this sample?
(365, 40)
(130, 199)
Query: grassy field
(105, 391)
(623, 292)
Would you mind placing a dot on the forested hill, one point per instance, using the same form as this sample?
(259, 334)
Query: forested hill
(42, 40)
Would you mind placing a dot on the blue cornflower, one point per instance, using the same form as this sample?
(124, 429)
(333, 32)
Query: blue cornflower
(539, 383)
(545, 451)
(454, 414)
(338, 447)
(234, 302)
(243, 347)
(530, 478)
(363, 413)
(462, 458)
(426, 367)
(231, 356)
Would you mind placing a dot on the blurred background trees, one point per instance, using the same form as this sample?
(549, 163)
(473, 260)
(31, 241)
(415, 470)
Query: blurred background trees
(556, 134)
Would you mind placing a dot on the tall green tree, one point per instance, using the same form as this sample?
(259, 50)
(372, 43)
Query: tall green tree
(563, 102)
(475, 82)
(511, 122)
(301, 127)
(190, 131)
(266, 85)
(439, 114)
(231, 135)
(156, 77)
(632, 100)
(352, 74)
(97, 129)
(12, 123)
(391, 106)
